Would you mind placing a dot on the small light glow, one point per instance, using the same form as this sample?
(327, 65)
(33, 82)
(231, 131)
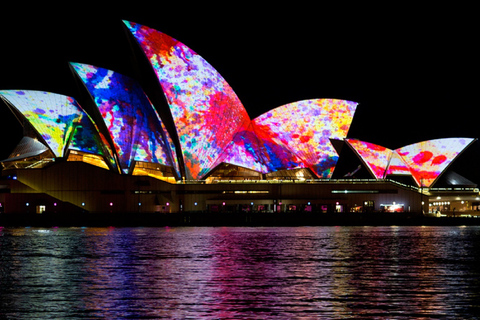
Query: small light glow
(251, 203)
(55, 204)
(111, 204)
(27, 204)
(83, 204)
(139, 204)
(308, 203)
(195, 203)
(168, 203)
(223, 203)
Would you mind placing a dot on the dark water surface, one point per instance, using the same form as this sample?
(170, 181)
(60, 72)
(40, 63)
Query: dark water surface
(237, 273)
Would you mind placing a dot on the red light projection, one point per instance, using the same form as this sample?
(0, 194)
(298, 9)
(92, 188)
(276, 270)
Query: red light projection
(425, 160)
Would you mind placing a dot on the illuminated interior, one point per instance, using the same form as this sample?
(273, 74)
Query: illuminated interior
(89, 158)
(226, 171)
(28, 154)
(295, 174)
(154, 170)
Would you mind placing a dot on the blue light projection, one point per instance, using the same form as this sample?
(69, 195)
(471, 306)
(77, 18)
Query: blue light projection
(134, 125)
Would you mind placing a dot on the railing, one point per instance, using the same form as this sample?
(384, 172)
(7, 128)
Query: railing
(476, 190)
(301, 181)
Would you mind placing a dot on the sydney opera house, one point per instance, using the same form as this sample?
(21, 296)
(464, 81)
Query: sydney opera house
(200, 151)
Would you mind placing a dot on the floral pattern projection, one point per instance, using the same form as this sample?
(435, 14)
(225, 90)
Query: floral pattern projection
(59, 120)
(133, 123)
(206, 111)
(214, 127)
(425, 160)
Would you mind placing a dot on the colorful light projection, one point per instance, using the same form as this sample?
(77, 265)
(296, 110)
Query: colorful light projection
(254, 149)
(244, 151)
(428, 159)
(305, 128)
(397, 166)
(200, 100)
(374, 156)
(133, 123)
(425, 160)
(275, 156)
(292, 136)
(206, 111)
(59, 120)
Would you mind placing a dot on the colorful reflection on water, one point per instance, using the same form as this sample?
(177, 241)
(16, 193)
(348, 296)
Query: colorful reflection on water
(235, 273)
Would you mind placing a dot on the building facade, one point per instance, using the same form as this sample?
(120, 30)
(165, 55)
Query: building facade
(201, 151)
(77, 186)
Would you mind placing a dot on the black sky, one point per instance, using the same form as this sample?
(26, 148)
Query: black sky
(413, 70)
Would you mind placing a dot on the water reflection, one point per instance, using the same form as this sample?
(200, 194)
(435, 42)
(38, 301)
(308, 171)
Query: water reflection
(231, 273)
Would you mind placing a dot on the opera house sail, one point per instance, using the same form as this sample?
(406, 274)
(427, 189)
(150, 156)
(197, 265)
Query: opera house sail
(424, 161)
(194, 147)
(61, 124)
(135, 127)
(292, 136)
(306, 127)
(206, 111)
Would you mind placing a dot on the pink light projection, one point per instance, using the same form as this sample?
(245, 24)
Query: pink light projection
(214, 127)
(306, 127)
(206, 111)
(428, 159)
(397, 166)
(425, 161)
(134, 125)
(375, 156)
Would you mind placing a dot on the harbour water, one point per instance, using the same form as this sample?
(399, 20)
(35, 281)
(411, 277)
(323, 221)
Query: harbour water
(409, 272)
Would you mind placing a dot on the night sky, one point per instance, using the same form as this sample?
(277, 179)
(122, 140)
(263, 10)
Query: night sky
(413, 71)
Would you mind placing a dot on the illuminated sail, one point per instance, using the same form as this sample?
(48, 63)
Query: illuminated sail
(133, 123)
(427, 160)
(374, 156)
(306, 127)
(206, 112)
(58, 119)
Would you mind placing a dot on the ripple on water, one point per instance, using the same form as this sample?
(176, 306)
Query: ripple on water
(231, 273)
